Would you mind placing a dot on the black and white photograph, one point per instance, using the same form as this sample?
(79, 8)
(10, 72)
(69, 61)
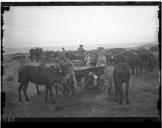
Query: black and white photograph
(81, 61)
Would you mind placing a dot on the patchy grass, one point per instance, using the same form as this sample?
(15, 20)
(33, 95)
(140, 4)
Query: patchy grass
(10, 78)
(87, 103)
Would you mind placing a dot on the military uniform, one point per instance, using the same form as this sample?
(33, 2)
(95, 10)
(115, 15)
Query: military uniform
(81, 52)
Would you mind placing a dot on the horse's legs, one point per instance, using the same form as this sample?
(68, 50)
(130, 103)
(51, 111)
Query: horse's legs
(46, 94)
(116, 94)
(31, 58)
(83, 80)
(64, 90)
(73, 90)
(19, 91)
(110, 86)
(51, 93)
(146, 68)
(56, 89)
(132, 71)
(116, 90)
(25, 91)
(121, 95)
(127, 99)
(37, 88)
(137, 71)
(141, 71)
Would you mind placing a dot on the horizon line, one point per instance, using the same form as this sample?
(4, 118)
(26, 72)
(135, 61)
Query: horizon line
(110, 45)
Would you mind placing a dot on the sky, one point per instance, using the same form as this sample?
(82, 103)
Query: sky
(51, 26)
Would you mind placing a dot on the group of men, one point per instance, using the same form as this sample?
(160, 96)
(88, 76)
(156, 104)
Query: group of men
(89, 58)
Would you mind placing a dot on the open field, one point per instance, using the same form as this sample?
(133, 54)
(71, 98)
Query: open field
(143, 93)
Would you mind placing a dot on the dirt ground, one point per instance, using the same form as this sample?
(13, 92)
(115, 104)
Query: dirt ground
(143, 93)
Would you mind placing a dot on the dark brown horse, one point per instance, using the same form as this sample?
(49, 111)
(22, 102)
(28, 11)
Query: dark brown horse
(121, 75)
(37, 52)
(47, 76)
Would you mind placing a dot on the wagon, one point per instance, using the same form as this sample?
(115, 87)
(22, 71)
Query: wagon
(98, 70)
(79, 72)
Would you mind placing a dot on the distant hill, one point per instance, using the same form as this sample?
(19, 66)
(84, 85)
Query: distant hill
(147, 46)
(86, 47)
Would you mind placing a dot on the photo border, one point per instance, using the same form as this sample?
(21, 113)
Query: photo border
(5, 6)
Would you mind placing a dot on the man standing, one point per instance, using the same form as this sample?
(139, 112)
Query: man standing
(101, 60)
(81, 52)
(87, 59)
(112, 60)
(63, 55)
